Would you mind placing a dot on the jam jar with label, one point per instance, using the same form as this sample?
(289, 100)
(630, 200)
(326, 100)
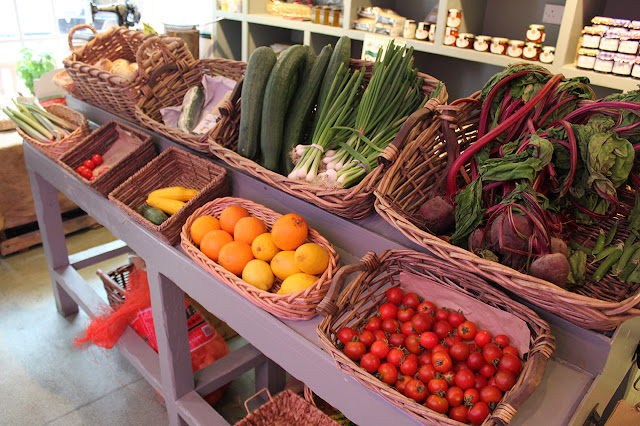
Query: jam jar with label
(591, 37)
(547, 54)
(610, 40)
(604, 62)
(432, 32)
(454, 18)
(498, 45)
(481, 44)
(586, 58)
(465, 41)
(536, 33)
(623, 63)
(514, 48)
(635, 71)
(422, 32)
(410, 28)
(531, 51)
(629, 42)
(450, 36)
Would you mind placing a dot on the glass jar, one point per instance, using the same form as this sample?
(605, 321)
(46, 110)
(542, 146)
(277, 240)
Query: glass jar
(586, 58)
(450, 36)
(454, 18)
(465, 41)
(622, 64)
(498, 45)
(629, 42)
(410, 28)
(326, 15)
(422, 32)
(536, 33)
(604, 62)
(514, 48)
(547, 54)
(591, 37)
(635, 71)
(610, 41)
(432, 32)
(316, 13)
(336, 17)
(531, 51)
(481, 44)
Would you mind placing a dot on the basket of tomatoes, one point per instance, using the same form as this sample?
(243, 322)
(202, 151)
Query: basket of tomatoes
(436, 341)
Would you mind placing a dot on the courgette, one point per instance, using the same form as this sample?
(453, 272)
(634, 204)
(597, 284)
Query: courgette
(179, 193)
(165, 204)
(281, 86)
(256, 76)
(153, 214)
(191, 109)
(301, 107)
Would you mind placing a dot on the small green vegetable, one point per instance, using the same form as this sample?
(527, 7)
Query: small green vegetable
(630, 266)
(629, 249)
(577, 267)
(608, 263)
(611, 233)
(605, 252)
(597, 248)
(574, 245)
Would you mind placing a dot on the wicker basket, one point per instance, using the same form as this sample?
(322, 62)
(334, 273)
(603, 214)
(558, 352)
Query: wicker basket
(64, 80)
(173, 167)
(599, 305)
(167, 86)
(109, 91)
(295, 306)
(285, 409)
(140, 151)
(361, 297)
(56, 149)
(355, 202)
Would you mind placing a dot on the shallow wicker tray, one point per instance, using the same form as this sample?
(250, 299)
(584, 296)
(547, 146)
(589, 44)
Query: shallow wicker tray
(362, 296)
(109, 91)
(598, 305)
(56, 149)
(173, 167)
(99, 141)
(167, 86)
(295, 306)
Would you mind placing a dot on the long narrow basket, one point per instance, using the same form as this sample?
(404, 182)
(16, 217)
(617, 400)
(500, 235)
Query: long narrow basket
(109, 91)
(167, 86)
(173, 167)
(355, 202)
(599, 305)
(366, 292)
(296, 306)
(56, 149)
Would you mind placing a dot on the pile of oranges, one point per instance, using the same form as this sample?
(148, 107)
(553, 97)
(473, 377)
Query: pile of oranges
(242, 245)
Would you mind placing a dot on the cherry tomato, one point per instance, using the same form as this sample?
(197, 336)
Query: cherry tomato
(475, 361)
(511, 351)
(490, 394)
(390, 325)
(409, 366)
(478, 413)
(442, 329)
(405, 313)
(102, 170)
(442, 314)
(425, 358)
(440, 347)
(81, 169)
(380, 335)
(491, 381)
(429, 339)
(395, 357)
(92, 178)
(437, 385)
(510, 363)
(471, 396)
(482, 338)
(86, 173)
(438, 404)
(456, 318)
(89, 164)
(441, 361)
(355, 350)
(387, 373)
(416, 390)
(412, 343)
(492, 353)
(388, 311)
(370, 362)
(479, 382)
(502, 340)
(411, 300)
(407, 328)
(505, 380)
(473, 347)
(426, 307)
(367, 337)
(465, 379)
(455, 396)
(346, 334)
(460, 365)
(374, 323)
(97, 159)
(422, 322)
(380, 348)
(397, 339)
(467, 330)
(459, 351)
(487, 370)
(394, 295)
(426, 373)
(459, 413)
(402, 382)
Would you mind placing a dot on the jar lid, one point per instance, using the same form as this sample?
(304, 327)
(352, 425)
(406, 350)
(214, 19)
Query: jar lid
(516, 43)
(614, 32)
(483, 38)
(499, 40)
(602, 20)
(530, 43)
(606, 56)
(588, 52)
(634, 25)
(466, 35)
(410, 20)
(454, 10)
(592, 30)
(548, 49)
(536, 27)
(624, 57)
(620, 22)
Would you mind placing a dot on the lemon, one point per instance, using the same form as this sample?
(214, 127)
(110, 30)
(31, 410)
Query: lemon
(312, 258)
(263, 247)
(297, 282)
(283, 264)
(258, 274)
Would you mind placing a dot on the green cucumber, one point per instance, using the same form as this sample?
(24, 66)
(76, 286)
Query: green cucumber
(281, 86)
(191, 109)
(152, 214)
(256, 75)
(301, 107)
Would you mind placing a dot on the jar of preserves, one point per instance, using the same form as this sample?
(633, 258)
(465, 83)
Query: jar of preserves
(629, 42)
(481, 44)
(465, 41)
(531, 51)
(336, 14)
(316, 14)
(454, 18)
(536, 33)
(514, 48)
(587, 58)
(422, 32)
(450, 36)
(610, 40)
(410, 28)
(635, 71)
(547, 54)
(604, 62)
(432, 32)
(623, 64)
(326, 15)
(591, 37)
(498, 45)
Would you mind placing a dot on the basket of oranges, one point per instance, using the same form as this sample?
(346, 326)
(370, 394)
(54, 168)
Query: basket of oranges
(275, 261)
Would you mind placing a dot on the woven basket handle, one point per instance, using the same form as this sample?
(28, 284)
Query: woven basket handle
(73, 30)
(328, 306)
(144, 56)
(246, 403)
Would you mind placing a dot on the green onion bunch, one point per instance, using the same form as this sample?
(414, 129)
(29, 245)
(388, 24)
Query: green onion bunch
(38, 123)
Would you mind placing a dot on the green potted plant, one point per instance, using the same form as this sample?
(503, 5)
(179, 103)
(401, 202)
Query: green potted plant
(32, 67)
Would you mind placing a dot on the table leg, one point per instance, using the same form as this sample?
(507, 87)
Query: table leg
(45, 200)
(271, 376)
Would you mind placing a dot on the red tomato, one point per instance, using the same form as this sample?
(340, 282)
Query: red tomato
(380, 348)
(416, 390)
(437, 385)
(388, 311)
(491, 381)
(409, 366)
(405, 313)
(394, 295)
(459, 413)
(471, 396)
(456, 318)
(425, 358)
(450, 377)
(465, 379)
(502, 340)
(467, 330)
(511, 351)
(426, 307)
(80, 169)
(438, 404)
(460, 365)
(355, 350)
(367, 337)
(346, 334)
(370, 362)
(397, 340)
(380, 335)
(459, 351)
(441, 361)
(429, 339)
(475, 361)
(390, 325)
(411, 300)
(395, 356)
(478, 413)
(455, 396)
(487, 370)
(97, 159)
(92, 178)
(440, 348)
(402, 382)
(422, 322)
(492, 353)
(442, 314)
(426, 373)
(85, 172)
(89, 164)
(510, 363)
(505, 380)
(387, 373)
(442, 329)
(407, 328)
(412, 343)
(482, 338)
(479, 382)
(102, 170)
(490, 394)
(374, 323)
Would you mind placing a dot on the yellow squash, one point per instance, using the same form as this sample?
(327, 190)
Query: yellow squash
(167, 205)
(179, 193)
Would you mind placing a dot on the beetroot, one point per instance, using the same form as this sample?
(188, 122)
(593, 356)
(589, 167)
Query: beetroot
(476, 239)
(552, 267)
(509, 236)
(438, 214)
(559, 246)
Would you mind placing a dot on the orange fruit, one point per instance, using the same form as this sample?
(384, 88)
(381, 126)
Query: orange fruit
(248, 228)
(234, 256)
(230, 215)
(201, 226)
(213, 241)
(289, 232)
